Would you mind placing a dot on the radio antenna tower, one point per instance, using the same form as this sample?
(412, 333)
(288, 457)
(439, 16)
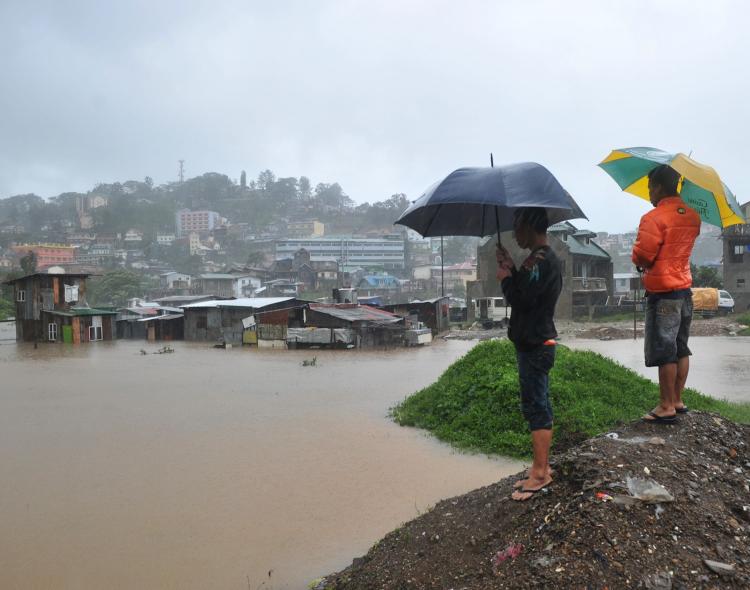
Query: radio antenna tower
(182, 171)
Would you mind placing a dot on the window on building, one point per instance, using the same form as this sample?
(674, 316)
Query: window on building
(21, 295)
(740, 283)
(95, 333)
(736, 252)
(52, 332)
(201, 323)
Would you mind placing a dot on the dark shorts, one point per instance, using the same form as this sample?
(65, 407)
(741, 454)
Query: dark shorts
(667, 329)
(533, 375)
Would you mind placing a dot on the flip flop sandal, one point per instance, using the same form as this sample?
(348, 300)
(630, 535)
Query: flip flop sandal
(682, 410)
(656, 419)
(532, 492)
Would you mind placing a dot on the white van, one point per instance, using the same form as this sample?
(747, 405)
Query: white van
(726, 302)
(492, 310)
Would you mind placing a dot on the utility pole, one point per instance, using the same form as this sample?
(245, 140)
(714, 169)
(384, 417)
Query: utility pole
(182, 171)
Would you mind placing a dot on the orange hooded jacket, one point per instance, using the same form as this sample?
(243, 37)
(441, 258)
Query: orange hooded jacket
(665, 241)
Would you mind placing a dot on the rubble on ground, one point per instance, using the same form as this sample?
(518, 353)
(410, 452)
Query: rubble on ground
(647, 506)
(604, 330)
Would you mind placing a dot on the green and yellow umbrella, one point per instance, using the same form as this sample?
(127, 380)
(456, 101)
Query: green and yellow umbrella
(702, 189)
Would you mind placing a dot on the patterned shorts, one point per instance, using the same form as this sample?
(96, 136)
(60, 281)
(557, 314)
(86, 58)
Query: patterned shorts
(667, 329)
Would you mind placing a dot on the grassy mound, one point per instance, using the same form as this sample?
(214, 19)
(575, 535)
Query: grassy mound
(474, 405)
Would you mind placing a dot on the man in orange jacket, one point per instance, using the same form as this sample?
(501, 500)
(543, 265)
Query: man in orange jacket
(662, 249)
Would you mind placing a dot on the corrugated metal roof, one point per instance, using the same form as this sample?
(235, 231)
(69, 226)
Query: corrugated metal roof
(355, 313)
(160, 318)
(217, 275)
(249, 302)
(81, 311)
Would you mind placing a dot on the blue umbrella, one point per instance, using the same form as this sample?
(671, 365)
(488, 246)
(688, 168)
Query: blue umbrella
(481, 201)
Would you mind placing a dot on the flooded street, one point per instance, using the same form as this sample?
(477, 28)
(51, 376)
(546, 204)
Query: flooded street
(209, 468)
(719, 366)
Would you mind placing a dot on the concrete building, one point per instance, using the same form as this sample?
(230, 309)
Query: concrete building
(174, 280)
(305, 229)
(736, 268)
(47, 254)
(187, 221)
(133, 235)
(165, 239)
(586, 267)
(624, 283)
(387, 253)
(224, 284)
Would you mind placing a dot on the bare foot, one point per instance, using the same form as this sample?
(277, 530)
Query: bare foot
(532, 487)
(522, 482)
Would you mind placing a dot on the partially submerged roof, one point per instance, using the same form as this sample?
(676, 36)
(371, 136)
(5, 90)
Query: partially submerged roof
(351, 312)
(432, 301)
(186, 298)
(163, 318)
(75, 312)
(246, 302)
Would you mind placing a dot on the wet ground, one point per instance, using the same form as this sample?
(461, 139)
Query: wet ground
(209, 468)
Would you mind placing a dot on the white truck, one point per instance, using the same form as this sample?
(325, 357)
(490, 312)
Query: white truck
(708, 301)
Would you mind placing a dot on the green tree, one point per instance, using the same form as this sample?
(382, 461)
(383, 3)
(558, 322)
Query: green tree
(304, 189)
(114, 288)
(705, 276)
(28, 263)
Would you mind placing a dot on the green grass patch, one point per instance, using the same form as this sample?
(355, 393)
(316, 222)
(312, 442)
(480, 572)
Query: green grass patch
(743, 318)
(474, 405)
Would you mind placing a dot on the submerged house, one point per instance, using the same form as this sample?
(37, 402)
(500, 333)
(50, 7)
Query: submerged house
(51, 307)
(433, 313)
(357, 325)
(246, 320)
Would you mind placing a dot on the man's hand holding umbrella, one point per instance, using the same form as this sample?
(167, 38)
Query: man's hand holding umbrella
(505, 263)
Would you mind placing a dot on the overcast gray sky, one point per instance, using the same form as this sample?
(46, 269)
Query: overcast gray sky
(382, 97)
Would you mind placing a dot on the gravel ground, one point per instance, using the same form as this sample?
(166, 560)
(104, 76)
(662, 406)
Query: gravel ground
(588, 530)
(718, 326)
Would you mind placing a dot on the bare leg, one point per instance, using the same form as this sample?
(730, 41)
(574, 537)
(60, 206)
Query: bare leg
(539, 476)
(667, 381)
(683, 366)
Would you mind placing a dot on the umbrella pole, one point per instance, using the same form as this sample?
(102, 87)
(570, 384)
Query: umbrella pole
(442, 269)
(497, 225)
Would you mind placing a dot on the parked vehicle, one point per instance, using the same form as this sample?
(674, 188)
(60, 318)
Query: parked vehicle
(492, 311)
(708, 301)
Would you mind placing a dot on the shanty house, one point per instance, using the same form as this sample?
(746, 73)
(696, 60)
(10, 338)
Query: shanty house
(227, 320)
(433, 313)
(367, 326)
(52, 307)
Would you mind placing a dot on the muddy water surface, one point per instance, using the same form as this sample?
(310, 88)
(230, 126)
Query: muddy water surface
(209, 468)
(719, 367)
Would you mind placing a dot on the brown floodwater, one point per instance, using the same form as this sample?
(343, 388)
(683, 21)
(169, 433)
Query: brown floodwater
(719, 367)
(210, 468)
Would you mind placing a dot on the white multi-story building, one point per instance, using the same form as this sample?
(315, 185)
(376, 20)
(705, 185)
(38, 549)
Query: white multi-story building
(385, 253)
(165, 239)
(187, 221)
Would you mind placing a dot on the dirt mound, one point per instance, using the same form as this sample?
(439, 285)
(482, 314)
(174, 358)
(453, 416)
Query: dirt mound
(588, 530)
